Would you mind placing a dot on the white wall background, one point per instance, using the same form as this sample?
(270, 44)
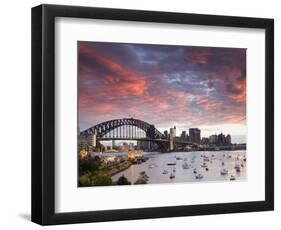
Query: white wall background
(15, 113)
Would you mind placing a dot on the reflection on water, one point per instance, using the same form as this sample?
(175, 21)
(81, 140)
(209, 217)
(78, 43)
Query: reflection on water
(185, 166)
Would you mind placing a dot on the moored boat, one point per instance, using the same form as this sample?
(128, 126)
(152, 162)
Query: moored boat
(232, 177)
(224, 172)
(199, 176)
(185, 165)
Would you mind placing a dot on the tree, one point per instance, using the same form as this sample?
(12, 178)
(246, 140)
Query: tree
(85, 180)
(142, 179)
(89, 165)
(102, 180)
(123, 181)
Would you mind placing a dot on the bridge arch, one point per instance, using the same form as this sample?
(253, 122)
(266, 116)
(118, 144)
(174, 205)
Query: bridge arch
(106, 127)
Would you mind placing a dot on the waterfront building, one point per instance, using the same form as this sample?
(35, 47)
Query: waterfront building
(195, 135)
(183, 136)
(172, 137)
(82, 143)
(221, 139)
(144, 145)
(132, 154)
(131, 146)
(92, 140)
(213, 139)
(228, 139)
(205, 141)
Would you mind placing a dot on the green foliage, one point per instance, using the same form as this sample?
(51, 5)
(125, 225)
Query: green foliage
(90, 179)
(142, 179)
(102, 180)
(123, 181)
(89, 165)
(85, 180)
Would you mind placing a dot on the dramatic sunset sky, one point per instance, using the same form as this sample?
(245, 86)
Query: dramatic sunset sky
(164, 85)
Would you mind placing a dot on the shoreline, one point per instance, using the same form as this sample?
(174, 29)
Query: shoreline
(114, 172)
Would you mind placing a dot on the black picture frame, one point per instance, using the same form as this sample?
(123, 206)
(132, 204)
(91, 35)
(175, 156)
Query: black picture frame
(43, 114)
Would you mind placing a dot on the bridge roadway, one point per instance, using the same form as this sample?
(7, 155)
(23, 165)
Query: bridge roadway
(142, 139)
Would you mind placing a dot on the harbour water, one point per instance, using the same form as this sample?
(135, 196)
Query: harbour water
(183, 164)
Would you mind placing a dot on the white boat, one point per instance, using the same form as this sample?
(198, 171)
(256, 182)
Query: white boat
(232, 177)
(171, 163)
(199, 176)
(237, 168)
(172, 175)
(194, 171)
(224, 172)
(204, 165)
(165, 172)
(185, 165)
(152, 166)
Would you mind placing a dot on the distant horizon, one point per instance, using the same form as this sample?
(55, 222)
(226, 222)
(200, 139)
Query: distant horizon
(234, 140)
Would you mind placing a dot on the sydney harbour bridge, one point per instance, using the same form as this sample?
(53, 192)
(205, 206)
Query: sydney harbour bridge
(134, 129)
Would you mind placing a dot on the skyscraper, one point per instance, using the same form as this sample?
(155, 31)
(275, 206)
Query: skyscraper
(195, 135)
(172, 137)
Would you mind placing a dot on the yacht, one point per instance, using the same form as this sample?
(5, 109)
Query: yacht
(199, 176)
(204, 165)
(232, 177)
(152, 166)
(185, 165)
(172, 175)
(237, 168)
(224, 172)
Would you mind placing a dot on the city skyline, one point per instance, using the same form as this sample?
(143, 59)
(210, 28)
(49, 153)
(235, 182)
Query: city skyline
(167, 86)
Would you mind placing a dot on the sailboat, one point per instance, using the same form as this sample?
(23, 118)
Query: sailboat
(172, 175)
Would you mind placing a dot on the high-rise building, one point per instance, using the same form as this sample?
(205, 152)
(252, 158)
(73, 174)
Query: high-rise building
(172, 137)
(195, 135)
(113, 144)
(92, 140)
(183, 136)
(205, 141)
(228, 139)
(221, 139)
(213, 139)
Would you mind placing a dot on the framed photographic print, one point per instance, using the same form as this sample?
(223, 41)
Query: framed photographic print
(142, 114)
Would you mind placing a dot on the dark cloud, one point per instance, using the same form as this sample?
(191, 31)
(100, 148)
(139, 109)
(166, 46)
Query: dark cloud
(160, 83)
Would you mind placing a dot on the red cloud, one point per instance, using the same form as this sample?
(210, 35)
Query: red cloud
(102, 92)
(120, 82)
(199, 56)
